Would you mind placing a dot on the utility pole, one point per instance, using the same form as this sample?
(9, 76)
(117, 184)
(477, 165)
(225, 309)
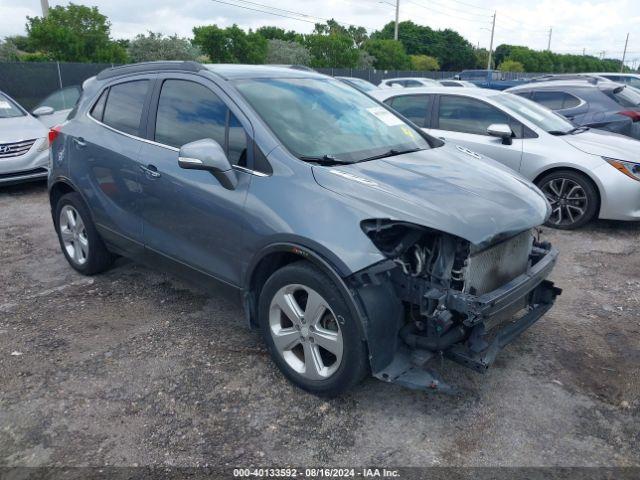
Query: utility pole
(549, 44)
(493, 29)
(584, 51)
(395, 32)
(624, 55)
(45, 8)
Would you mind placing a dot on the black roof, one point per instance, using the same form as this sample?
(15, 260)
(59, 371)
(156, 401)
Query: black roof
(149, 67)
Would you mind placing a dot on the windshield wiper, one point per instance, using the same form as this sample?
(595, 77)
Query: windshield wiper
(324, 160)
(568, 132)
(578, 130)
(389, 153)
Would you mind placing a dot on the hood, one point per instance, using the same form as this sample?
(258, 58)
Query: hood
(443, 188)
(605, 144)
(16, 129)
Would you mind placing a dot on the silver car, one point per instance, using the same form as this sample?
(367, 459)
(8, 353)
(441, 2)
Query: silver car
(24, 144)
(584, 173)
(407, 82)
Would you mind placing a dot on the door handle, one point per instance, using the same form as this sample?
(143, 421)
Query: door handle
(79, 141)
(150, 171)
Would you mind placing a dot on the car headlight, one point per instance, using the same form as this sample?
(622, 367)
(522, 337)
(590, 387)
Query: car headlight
(43, 144)
(630, 169)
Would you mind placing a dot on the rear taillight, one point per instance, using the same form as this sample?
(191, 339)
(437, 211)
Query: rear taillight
(53, 133)
(632, 114)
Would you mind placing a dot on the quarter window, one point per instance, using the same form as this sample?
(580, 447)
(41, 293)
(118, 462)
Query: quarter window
(415, 107)
(468, 115)
(98, 108)
(188, 111)
(123, 109)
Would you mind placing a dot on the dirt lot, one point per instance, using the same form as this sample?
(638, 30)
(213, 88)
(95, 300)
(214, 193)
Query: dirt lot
(137, 368)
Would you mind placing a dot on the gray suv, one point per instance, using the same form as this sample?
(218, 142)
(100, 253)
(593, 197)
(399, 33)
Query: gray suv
(357, 242)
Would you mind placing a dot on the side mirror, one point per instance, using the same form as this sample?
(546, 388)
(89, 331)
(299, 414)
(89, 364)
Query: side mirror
(44, 110)
(501, 130)
(456, 77)
(208, 155)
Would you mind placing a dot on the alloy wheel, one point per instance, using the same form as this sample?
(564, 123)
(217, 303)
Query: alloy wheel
(305, 332)
(74, 235)
(568, 200)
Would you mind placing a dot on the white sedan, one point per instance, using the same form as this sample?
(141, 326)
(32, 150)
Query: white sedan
(584, 173)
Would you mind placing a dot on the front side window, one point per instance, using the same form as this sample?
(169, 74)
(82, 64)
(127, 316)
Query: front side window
(8, 109)
(414, 107)
(188, 111)
(468, 115)
(123, 109)
(316, 118)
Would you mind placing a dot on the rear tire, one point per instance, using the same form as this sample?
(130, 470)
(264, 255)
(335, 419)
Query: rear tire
(573, 197)
(80, 242)
(309, 331)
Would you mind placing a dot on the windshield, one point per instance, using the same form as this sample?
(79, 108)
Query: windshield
(324, 118)
(362, 84)
(538, 115)
(8, 108)
(626, 97)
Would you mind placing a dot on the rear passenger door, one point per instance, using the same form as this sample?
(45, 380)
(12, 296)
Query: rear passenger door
(464, 121)
(189, 218)
(104, 160)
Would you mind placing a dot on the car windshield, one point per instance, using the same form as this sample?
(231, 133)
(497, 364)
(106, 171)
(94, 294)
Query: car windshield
(538, 115)
(362, 84)
(626, 97)
(324, 119)
(8, 108)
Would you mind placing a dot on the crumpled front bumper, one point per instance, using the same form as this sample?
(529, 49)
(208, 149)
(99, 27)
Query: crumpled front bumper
(489, 325)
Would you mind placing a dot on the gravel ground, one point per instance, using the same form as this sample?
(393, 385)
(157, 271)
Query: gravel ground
(134, 367)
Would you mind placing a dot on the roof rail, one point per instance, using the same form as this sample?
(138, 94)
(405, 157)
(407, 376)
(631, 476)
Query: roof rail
(149, 67)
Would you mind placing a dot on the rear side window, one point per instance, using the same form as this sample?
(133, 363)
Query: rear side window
(415, 107)
(98, 109)
(468, 115)
(123, 108)
(556, 100)
(188, 111)
(625, 97)
(412, 83)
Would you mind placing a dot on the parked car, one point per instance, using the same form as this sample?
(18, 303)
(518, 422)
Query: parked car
(456, 83)
(603, 105)
(359, 83)
(352, 236)
(492, 79)
(407, 82)
(631, 79)
(54, 109)
(584, 173)
(24, 146)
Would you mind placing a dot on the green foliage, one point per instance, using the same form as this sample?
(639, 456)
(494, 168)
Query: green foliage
(8, 51)
(74, 34)
(549, 62)
(231, 44)
(333, 50)
(388, 54)
(365, 60)
(21, 42)
(451, 50)
(287, 53)
(424, 62)
(357, 34)
(482, 58)
(511, 66)
(155, 46)
(277, 33)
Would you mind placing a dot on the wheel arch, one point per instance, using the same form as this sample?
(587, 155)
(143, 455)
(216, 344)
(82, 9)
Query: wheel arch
(559, 168)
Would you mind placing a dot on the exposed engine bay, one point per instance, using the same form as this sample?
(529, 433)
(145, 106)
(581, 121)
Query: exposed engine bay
(457, 297)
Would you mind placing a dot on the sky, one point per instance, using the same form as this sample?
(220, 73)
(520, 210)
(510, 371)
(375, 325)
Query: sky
(592, 25)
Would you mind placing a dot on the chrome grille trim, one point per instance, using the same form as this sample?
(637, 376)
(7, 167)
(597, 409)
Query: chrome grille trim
(15, 149)
(497, 265)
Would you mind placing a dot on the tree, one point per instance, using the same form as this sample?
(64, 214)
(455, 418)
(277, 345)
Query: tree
(511, 66)
(74, 34)
(155, 46)
(388, 54)
(424, 62)
(277, 33)
(287, 53)
(365, 60)
(333, 51)
(231, 44)
(8, 51)
(357, 34)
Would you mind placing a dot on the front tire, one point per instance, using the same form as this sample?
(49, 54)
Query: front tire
(80, 242)
(309, 331)
(573, 199)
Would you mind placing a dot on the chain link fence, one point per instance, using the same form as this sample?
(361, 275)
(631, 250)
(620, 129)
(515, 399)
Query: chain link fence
(30, 83)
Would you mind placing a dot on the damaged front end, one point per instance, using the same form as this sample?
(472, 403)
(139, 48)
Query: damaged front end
(444, 296)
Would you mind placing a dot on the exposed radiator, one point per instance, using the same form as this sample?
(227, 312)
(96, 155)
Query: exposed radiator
(493, 267)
